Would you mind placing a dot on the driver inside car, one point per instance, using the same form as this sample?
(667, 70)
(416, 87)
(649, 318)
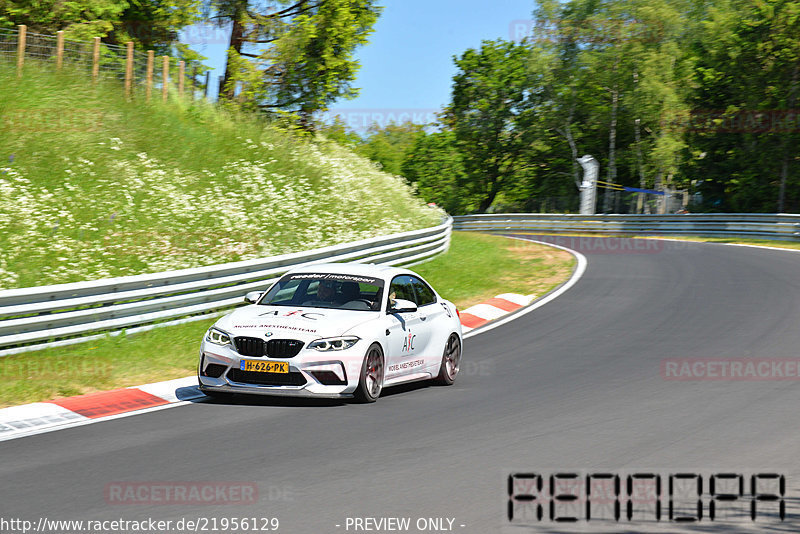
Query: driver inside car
(326, 291)
(350, 291)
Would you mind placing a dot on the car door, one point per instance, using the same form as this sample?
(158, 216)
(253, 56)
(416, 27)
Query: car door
(405, 329)
(430, 314)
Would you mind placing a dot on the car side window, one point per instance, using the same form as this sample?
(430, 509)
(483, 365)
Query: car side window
(425, 294)
(402, 288)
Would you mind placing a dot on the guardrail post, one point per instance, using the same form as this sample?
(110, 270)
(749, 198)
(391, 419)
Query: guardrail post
(21, 38)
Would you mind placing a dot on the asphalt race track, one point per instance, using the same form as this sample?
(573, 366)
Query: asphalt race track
(575, 385)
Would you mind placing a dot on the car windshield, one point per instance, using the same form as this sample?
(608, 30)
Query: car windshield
(325, 290)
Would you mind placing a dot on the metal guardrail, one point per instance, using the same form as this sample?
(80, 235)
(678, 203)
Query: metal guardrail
(753, 225)
(37, 316)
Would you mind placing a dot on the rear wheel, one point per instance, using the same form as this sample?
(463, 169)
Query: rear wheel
(370, 381)
(450, 361)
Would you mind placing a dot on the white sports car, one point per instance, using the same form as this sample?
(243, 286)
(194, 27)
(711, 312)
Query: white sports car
(333, 330)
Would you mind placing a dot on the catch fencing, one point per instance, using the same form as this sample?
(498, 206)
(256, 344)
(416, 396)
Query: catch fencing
(37, 317)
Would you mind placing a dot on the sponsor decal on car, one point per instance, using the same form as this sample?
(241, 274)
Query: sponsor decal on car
(406, 365)
(337, 277)
(408, 342)
(295, 313)
(277, 327)
(446, 309)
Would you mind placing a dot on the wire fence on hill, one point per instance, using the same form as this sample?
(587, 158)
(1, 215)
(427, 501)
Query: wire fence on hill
(140, 72)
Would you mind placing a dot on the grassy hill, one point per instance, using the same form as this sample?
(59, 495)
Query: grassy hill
(93, 185)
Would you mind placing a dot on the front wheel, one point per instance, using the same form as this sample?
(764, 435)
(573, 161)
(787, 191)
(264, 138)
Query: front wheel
(450, 361)
(370, 381)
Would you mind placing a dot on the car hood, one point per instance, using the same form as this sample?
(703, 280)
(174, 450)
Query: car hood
(283, 322)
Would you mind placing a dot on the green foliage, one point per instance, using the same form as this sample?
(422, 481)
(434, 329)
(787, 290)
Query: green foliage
(493, 116)
(628, 82)
(435, 166)
(338, 132)
(295, 56)
(748, 61)
(79, 19)
(390, 145)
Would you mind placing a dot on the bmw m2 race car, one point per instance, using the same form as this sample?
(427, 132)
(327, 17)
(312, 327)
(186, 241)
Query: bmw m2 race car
(333, 330)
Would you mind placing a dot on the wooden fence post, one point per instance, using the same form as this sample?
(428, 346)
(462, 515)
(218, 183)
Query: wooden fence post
(181, 71)
(129, 70)
(96, 60)
(23, 30)
(150, 59)
(165, 79)
(59, 49)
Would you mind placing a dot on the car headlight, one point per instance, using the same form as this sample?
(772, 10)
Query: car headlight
(217, 337)
(333, 343)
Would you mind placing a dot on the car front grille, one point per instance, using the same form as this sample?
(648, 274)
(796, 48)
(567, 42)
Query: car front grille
(274, 348)
(266, 379)
(283, 348)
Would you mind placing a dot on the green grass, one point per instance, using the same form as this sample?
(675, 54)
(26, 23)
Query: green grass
(93, 185)
(475, 268)
(480, 266)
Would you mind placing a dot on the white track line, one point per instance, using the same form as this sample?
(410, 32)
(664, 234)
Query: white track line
(576, 275)
(92, 421)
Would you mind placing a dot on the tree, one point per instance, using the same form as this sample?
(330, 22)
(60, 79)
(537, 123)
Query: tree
(338, 132)
(746, 143)
(492, 114)
(390, 144)
(79, 20)
(618, 73)
(294, 56)
(435, 166)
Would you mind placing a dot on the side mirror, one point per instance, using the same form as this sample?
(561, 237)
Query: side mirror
(402, 306)
(252, 297)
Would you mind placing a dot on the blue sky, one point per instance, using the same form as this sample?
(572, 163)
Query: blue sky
(407, 67)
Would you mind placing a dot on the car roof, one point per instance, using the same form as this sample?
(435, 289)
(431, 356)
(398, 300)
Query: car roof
(386, 272)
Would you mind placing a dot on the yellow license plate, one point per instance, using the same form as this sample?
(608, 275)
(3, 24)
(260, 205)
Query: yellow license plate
(264, 366)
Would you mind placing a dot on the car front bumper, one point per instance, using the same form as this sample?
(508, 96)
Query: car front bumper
(311, 373)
